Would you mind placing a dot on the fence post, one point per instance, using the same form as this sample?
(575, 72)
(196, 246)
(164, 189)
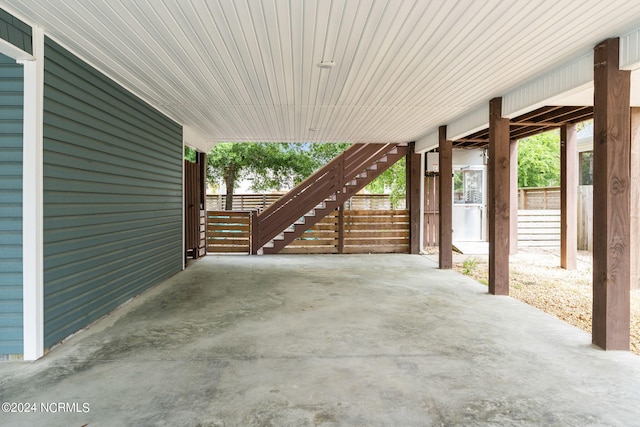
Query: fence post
(253, 225)
(341, 229)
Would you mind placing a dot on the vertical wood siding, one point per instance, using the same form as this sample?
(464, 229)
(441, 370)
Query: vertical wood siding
(15, 32)
(11, 102)
(112, 195)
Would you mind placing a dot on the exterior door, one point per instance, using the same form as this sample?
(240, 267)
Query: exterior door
(469, 203)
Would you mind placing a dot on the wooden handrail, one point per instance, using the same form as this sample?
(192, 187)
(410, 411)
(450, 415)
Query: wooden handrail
(327, 180)
(304, 184)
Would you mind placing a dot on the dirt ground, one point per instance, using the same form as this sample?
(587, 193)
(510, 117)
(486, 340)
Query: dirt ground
(537, 279)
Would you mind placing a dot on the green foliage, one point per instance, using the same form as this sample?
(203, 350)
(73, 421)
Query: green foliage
(393, 181)
(469, 265)
(190, 154)
(277, 166)
(270, 166)
(539, 160)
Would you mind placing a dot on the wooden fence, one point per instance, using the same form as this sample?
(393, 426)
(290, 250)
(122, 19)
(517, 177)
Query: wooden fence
(217, 202)
(194, 210)
(352, 232)
(431, 210)
(585, 217)
(539, 198)
(530, 199)
(229, 231)
(538, 228)
(358, 232)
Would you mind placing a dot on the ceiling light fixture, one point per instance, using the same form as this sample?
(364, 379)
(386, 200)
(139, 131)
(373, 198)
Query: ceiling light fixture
(313, 129)
(327, 64)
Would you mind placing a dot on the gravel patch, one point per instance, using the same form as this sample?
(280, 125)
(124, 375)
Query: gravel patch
(537, 279)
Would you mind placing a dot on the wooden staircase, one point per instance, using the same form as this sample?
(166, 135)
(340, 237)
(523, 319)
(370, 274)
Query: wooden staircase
(323, 192)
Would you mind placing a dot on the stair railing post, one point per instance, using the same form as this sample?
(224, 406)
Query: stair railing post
(253, 230)
(341, 229)
(341, 182)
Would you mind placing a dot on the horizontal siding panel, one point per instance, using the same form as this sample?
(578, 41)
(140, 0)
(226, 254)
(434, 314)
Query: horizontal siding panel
(92, 303)
(12, 99)
(111, 161)
(10, 197)
(63, 63)
(11, 307)
(11, 334)
(12, 292)
(112, 195)
(90, 284)
(75, 208)
(67, 221)
(97, 130)
(15, 32)
(11, 169)
(73, 250)
(11, 245)
(11, 279)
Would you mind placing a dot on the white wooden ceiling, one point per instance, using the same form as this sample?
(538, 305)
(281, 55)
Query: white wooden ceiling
(247, 70)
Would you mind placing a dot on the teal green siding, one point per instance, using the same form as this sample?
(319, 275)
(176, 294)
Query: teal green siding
(15, 32)
(11, 102)
(112, 195)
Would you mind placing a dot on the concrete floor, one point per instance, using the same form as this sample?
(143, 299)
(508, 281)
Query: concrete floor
(326, 340)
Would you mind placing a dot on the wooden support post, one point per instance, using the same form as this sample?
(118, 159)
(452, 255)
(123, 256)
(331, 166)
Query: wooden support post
(341, 229)
(611, 199)
(202, 181)
(568, 197)
(445, 194)
(254, 224)
(413, 197)
(499, 209)
(635, 199)
(513, 192)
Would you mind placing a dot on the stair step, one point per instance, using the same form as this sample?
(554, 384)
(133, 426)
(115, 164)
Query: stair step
(336, 194)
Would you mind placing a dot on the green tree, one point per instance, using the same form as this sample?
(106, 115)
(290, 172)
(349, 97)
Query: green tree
(393, 181)
(190, 154)
(539, 160)
(270, 166)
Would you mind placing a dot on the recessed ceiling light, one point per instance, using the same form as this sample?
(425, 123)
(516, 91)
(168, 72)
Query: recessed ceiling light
(327, 64)
(313, 129)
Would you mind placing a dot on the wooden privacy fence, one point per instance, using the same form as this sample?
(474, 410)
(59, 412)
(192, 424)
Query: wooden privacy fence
(548, 200)
(349, 232)
(539, 198)
(356, 232)
(229, 231)
(538, 228)
(585, 217)
(431, 210)
(261, 201)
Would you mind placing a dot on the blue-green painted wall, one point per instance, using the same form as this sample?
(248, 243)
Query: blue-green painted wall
(112, 195)
(15, 32)
(11, 106)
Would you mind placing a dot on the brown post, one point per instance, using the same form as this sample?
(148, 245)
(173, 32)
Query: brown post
(635, 198)
(413, 197)
(499, 200)
(568, 197)
(513, 192)
(611, 199)
(445, 193)
(253, 221)
(341, 229)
